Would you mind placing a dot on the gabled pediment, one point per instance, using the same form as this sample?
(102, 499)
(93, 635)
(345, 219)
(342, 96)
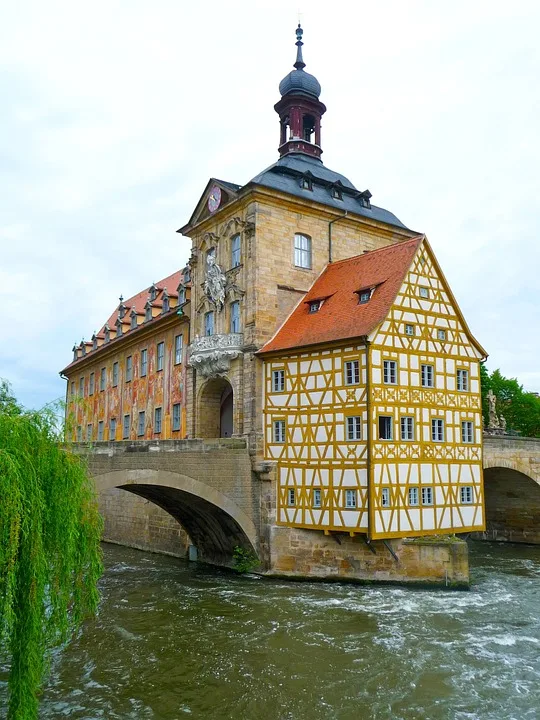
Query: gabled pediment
(216, 195)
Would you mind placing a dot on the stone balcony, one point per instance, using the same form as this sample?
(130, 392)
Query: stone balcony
(211, 355)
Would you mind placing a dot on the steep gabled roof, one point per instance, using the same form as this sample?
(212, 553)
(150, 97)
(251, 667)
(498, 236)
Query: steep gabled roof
(341, 316)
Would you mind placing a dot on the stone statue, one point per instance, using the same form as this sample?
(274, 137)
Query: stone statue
(214, 283)
(502, 422)
(493, 419)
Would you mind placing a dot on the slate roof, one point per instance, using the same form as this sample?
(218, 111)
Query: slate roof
(286, 175)
(341, 316)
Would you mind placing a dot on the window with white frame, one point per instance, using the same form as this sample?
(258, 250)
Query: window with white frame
(463, 380)
(176, 416)
(91, 384)
(129, 368)
(144, 362)
(386, 427)
(178, 349)
(235, 316)
(141, 423)
(423, 292)
(278, 380)
(157, 420)
(427, 375)
(112, 430)
(291, 496)
(302, 251)
(316, 498)
(350, 498)
(102, 378)
(160, 355)
(352, 372)
(437, 430)
(467, 431)
(115, 374)
(409, 329)
(100, 431)
(354, 427)
(413, 496)
(441, 334)
(385, 497)
(125, 427)
(407, 428)
(427, 496)
(235, 251)
(209, 323)
(279, 431)
(389, 372)
(466, 494)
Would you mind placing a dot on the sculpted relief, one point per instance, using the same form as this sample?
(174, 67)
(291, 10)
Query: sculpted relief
(214, 283)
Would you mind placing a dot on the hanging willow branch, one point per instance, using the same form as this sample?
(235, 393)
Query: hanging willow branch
(50, 558)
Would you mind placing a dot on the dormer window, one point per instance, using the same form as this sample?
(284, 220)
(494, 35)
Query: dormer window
(306, 183)
(166, 304)
(315, 306)
(107, 333)
(75, 353)
(364, 295)
(83, 348)
(133, 319)
(181, 294)
(337, 194)
(118, 328)
(148, 312)
(94, 342)
(153, 291)
(365, 199)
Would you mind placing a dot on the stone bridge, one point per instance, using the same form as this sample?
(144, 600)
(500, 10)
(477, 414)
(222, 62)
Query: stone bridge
(512, 488)
(207, 486)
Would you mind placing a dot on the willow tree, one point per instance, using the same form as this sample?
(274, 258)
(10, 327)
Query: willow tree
(50, 558)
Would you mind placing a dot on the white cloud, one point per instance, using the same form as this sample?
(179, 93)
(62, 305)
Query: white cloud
(116, 114)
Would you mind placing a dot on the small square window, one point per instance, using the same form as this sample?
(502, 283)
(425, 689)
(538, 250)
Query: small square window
(364, 296)
(317, 498)
(306, 183)
(409, 330)
(385, 497)
(423, 292)
(279, 431)
(466, 495)
(352, 372)
(354, 428)
(350, 498)
(427, 496)
(390, 372)
(385, 427)
(315, 306)
(337, 194)
(278, 380)
(291, 496)
(413, 496)
(176, 416)
(441, 334)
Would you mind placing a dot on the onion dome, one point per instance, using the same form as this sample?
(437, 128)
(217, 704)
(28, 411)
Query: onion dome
(299, 81)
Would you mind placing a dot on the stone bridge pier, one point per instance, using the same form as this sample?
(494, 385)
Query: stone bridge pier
(168, 495)
(512, 489)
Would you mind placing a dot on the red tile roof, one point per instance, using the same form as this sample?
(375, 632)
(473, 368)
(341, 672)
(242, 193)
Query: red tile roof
(341, 316)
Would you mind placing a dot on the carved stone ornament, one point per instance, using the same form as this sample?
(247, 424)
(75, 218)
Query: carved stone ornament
(214, 283)
(211, 355)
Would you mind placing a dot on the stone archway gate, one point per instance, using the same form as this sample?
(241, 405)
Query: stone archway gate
(207, 485)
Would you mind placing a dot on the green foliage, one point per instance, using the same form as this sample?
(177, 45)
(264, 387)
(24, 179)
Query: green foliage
(520, 409)
(50, 558)
(244, 560)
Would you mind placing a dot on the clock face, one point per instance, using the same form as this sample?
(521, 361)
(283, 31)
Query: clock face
(214, 198)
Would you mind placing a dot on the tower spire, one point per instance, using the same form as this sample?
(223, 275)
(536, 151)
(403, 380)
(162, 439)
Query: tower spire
(299, 64)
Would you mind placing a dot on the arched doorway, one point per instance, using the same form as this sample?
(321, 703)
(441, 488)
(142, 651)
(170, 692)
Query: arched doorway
(215, 409)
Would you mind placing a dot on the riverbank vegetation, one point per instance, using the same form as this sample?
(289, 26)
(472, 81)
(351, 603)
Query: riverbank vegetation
(50, 558)
(520, 409)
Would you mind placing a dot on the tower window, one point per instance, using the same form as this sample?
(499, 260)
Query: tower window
(235, 317)
(306, 183)
(235, 251)
(337, 194)
(302, 251)
(308, 127)
(209, 323)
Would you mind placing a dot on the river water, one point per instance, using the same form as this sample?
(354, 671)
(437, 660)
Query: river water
(174, 640)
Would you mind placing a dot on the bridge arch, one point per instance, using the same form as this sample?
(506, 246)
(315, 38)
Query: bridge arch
(215, 524)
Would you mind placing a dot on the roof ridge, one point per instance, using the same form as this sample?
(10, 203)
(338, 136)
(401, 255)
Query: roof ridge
(376, 250)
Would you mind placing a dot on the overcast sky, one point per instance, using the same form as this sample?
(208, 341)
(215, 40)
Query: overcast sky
(114, 115)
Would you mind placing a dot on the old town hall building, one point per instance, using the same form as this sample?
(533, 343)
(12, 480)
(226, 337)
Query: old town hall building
(317, 326)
